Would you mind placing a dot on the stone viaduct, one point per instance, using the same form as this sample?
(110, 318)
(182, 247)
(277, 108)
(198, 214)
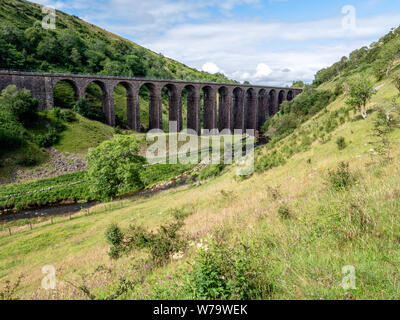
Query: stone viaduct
(238, 106)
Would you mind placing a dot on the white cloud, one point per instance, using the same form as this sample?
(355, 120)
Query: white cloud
(210, 67)
(262, 71)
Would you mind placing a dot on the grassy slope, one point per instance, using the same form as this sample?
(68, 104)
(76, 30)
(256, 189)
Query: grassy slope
(83, 134)
(305, 254)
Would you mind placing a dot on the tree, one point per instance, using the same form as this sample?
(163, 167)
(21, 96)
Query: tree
(113, 167)
(16, 107)
(390, 54)
(298, 84)
(10, 57)
(116, 68)
(384, 124)
(49, 49)
(360, 91)
(86, 110)
(396, 83)
(135, 64)
(20, 103)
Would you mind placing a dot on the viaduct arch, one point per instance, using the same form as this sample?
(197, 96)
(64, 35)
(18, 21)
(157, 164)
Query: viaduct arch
(224, 106)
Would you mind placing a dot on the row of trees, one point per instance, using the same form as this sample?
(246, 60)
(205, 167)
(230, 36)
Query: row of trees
(380, 55)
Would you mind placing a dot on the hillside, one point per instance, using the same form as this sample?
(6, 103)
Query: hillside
(286, 232)
(80, 47)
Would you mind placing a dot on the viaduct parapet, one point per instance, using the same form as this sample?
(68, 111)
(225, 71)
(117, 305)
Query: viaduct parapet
(238, 106)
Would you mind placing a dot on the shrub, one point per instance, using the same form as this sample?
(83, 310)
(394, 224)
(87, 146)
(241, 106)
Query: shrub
(211, 171)
(10, 289)
(47, 140)
(341, 143)
(266, 162)
(114, 235)
(274, 192)
(20, 103)
(113, 167)
(161, 244)
(384, 124)
(17, 109)
(88, 111)
(30, 157)
(225, 273)
(65, 115)
(341, 177)
(284, 211)
(182, 213)
(68, 116)
(11, 133)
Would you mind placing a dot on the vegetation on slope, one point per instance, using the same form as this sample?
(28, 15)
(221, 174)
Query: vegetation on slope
(285, 233)
(325, 196)
(77, 46)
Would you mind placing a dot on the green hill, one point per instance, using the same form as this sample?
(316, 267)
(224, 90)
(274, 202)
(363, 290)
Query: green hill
(80, 47)
(325, 196)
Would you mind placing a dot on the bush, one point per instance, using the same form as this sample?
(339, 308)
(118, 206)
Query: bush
(211, 171)
(88, 111)
(114, 235)
(225, 273)
(284, 211)
(161, 244)
(113, 167)
(274, 193)
(64, 115)
(17, 109)
(182, 213)
(30, 157)
(11, 133)
(341, 178)
(20, 103)
(266, 162)
(68, 116)
(47, 140)
(341, 143)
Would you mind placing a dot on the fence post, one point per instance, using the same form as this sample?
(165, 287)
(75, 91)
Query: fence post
(9, 231)
(30, 224)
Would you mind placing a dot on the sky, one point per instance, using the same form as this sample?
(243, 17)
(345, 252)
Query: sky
(268, 42)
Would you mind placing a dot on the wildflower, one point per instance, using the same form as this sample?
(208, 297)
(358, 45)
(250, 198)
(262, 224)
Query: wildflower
(177, 256)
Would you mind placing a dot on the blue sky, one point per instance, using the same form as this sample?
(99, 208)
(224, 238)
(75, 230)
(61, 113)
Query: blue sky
(270, 42)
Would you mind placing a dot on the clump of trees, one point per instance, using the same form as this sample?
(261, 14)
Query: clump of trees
(381, 55)
(17, 110)
(86, 110)
(295, 112)
(114, 166)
